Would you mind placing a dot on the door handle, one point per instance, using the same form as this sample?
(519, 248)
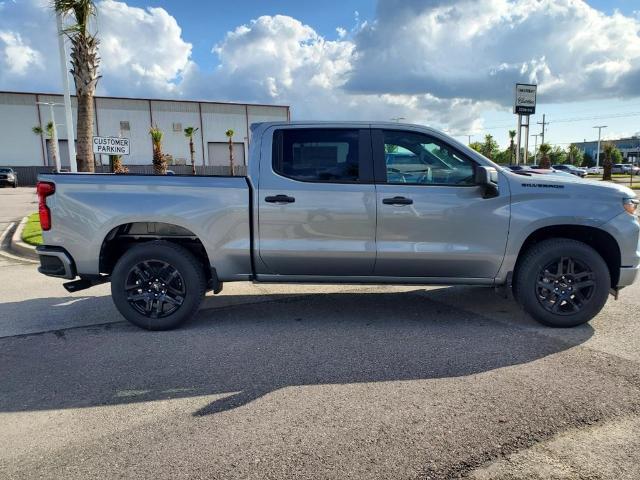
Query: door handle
(397, 201)
(279, 199)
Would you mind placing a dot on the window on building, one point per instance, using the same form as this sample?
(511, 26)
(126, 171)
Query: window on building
(177, 127)
(124, 126)
(416, 158)
(317, 155)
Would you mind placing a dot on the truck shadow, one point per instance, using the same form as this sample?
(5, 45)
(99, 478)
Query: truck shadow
(243, 352)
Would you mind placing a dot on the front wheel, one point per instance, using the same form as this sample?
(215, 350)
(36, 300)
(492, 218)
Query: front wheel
(158, 285)
(562, 282)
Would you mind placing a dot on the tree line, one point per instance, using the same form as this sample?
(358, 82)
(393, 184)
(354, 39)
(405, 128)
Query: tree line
(546, 154)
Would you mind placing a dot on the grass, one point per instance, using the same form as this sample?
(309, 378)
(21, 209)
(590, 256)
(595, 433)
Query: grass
(32, 233)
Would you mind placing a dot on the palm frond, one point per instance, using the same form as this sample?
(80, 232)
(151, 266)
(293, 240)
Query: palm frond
(156, 134)
(81, 10)
(190, 131)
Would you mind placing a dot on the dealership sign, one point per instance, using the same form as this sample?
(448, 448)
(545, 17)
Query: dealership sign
(111, 145)
(525, 101)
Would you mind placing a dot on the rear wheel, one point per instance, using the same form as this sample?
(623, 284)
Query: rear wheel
(562, 282)
(158, 285)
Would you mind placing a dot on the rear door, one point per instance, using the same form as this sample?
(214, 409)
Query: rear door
(432, 218)
(316, 202)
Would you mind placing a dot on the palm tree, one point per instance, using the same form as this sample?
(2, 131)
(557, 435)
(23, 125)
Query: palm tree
(574, 155)
(545, 161)
(229, 134)
(84, 68)
(159, 160)
(52, 146)
(607, 164)
(512, 146)
(115, 161)
(189, 132)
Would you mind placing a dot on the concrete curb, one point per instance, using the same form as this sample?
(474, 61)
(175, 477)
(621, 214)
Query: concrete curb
(19, 247)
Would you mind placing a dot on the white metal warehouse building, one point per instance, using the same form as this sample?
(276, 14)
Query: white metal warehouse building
(132, 118)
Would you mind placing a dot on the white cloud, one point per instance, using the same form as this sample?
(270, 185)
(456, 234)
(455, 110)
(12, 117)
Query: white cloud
(18, 57)
(142, 51)
(478, 49)
(281, 60)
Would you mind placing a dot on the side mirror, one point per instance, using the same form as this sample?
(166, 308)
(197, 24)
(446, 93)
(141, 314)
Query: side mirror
(487, 177)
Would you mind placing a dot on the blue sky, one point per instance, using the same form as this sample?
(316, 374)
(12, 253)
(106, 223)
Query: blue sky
(448, 63)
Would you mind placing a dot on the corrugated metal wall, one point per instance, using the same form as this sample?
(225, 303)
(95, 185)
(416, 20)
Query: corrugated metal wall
(112, 111)
(19, 114)
(18, 144)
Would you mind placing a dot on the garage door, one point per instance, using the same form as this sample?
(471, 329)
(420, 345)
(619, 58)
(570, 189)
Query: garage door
(219, 153)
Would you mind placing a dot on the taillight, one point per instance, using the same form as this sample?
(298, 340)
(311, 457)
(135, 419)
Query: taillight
(44, 189)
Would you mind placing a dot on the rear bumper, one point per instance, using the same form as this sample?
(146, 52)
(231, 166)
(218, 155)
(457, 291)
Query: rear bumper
(56, 262)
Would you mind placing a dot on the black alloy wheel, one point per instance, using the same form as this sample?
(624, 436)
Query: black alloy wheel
(565, 286)
(155, 288)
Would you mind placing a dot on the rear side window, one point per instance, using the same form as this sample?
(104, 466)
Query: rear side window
(317, 155)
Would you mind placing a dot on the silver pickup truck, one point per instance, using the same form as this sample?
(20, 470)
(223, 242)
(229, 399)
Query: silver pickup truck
(343, 203)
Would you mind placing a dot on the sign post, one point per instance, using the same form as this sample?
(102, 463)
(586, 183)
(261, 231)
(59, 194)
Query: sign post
(524, 105)
(111, 145)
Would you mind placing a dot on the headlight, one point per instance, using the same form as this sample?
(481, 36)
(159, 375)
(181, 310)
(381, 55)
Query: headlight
(630, 205)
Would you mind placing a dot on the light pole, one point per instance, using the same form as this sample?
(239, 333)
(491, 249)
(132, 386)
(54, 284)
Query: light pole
(67, 97)
(599, 127)
(55, 147)
(535, 147)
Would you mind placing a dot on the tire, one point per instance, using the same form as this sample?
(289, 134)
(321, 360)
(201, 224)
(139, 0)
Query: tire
(558, 300)
(15, 184)
(158, 285)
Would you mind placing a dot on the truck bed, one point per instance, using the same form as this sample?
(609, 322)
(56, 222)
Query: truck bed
(86, 208)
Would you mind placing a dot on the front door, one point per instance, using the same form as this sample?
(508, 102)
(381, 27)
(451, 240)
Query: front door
(316, 200)
(432, 220)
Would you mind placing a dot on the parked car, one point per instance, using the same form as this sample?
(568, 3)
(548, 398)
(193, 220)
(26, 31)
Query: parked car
(595, 170)
(8, 177)
(625, 168)
(323, 202)
(579, 172)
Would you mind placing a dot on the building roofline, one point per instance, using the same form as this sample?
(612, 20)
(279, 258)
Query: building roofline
(109, 97)
(608, 140)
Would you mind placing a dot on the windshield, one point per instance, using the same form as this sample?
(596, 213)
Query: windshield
(5, 170)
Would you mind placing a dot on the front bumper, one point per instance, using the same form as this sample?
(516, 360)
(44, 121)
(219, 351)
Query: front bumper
(56, 262)
(628, 275)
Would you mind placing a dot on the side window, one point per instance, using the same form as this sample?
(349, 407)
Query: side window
(317, 155)
(415, 158)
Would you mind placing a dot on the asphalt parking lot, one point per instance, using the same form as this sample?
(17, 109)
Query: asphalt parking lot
(305, 381)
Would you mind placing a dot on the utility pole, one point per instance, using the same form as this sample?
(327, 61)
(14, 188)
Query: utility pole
(599, 127)
(543, 123)
(469, 139)
(55, 147)
(67, 97)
